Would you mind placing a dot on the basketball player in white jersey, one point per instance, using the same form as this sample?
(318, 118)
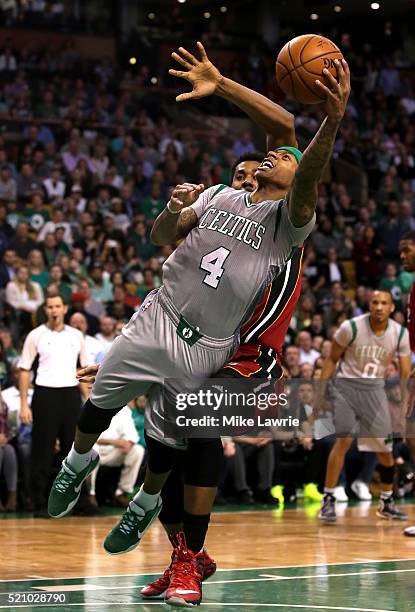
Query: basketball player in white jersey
(233, 243)
(361, 350)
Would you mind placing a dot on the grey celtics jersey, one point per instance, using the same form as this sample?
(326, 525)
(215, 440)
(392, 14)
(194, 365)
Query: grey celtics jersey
(226, 261)
(367, 355)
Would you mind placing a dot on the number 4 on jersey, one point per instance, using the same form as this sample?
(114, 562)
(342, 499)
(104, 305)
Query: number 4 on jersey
(212, 263)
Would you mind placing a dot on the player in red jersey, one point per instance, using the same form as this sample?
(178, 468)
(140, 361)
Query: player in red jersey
(407, 253)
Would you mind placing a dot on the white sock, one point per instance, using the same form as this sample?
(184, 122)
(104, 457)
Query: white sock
(79, 461)
(386, 494)
(145, 500)
(329, 490)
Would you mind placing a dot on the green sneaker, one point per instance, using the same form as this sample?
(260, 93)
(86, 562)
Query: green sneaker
(129, 530)
(66, 487)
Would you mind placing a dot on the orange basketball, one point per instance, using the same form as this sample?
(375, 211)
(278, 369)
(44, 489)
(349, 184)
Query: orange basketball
(301, 61)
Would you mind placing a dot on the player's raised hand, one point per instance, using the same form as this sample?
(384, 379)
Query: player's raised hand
(201, 73)
(185, 195)
(337, 92)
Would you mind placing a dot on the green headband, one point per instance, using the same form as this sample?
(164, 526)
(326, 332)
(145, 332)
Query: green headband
(296, 152)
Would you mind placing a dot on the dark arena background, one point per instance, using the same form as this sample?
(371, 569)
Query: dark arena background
(92, 146)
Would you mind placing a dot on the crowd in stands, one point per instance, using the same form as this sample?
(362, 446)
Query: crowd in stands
(85, 168)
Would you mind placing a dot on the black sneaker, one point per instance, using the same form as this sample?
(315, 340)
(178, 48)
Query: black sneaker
(388, 510)
(245, 498)
(328, 509)
(265, 497)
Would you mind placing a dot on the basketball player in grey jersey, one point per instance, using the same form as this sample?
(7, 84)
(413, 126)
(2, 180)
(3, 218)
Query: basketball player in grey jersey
(361, 350)
(162, 341)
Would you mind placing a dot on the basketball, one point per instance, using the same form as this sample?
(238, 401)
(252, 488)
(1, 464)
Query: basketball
(301, 61)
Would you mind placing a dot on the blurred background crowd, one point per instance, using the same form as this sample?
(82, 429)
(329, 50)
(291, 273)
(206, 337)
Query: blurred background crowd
(91, 145)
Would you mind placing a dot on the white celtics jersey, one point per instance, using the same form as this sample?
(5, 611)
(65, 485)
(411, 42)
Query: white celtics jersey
(367, 355)
(221, 269)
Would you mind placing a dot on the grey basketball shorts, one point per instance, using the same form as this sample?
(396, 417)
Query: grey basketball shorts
(361, 410)
(155, 345)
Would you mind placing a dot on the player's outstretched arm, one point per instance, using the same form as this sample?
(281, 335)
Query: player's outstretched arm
(177, 219)
(206, 80)
(303, 196)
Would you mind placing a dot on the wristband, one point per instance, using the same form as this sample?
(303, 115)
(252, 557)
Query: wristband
(173, 212)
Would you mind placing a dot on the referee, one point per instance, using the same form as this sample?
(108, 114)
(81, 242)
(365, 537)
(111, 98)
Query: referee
(56, 402)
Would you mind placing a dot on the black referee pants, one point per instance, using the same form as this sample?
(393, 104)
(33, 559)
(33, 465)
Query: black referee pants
(55, 415)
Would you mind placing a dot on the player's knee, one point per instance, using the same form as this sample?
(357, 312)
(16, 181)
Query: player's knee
(95, 420)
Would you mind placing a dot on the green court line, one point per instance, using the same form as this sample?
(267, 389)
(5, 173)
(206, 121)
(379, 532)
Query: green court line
(358, 586)
(216, 604)
(231, 569)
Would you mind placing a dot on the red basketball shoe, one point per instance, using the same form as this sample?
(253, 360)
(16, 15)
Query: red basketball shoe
(185, 589)
(157, 589)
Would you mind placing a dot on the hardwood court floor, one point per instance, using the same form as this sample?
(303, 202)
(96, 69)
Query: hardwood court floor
(281, 559)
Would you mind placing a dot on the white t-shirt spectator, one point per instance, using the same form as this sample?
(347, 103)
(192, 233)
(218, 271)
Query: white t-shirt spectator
(18, 296)
(122, 428)
(54, 189)
(310, 356)
(93, 348)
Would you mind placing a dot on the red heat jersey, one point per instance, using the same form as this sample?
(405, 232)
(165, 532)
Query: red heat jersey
(410, 317)
(264, 334)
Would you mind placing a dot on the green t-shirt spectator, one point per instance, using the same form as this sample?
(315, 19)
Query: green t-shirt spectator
(66, 291)
(42, 278)
(152, 208)
(396, 288)
(36, 218)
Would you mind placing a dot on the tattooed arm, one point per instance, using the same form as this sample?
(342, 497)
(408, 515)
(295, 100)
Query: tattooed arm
(177, 219)
(303, 195)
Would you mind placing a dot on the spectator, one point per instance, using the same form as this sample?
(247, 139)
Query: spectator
(390, 229)
(54, 186)
(292, 361)
(102, 287)
(107, 333)
(260, 449)
(118, 308)
(56, 276)
(117, 446)
(37, 270)
(92, 307)
(366, 255)
(27, 183)
(143, 248)
(8, 185)
(21, 243)
(244, 144)
(7, 267)
(8, 459)
(92, 346)
(49, 249)
(11, 397)
(24, 297)
(307, 353)
(332, 271)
